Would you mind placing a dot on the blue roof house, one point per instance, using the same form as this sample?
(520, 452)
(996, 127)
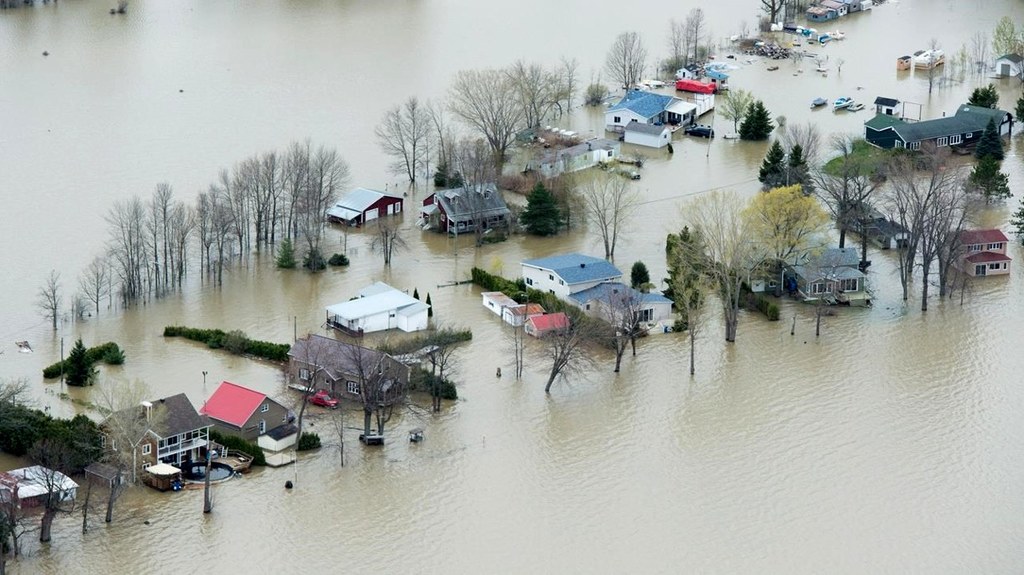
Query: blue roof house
(567, 274)
(611, 300)
(648, 108)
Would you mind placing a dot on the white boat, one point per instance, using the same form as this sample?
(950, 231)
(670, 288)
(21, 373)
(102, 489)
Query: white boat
(654, 83)
(855, 107)
(842, 103)
(837, 35)
(929, 59)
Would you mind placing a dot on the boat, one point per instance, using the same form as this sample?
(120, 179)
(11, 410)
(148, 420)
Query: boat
(818, 102)
(772, 68)
(929, 59)
(837, 35)
(654, 83)
(842, 103)
(824, 38)
(856, 107)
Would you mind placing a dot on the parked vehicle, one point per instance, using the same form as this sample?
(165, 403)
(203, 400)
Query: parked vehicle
(323, 399)
(699, 130)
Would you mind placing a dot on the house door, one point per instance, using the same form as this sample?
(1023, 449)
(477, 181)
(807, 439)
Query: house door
(1004, 69)
(979, 270)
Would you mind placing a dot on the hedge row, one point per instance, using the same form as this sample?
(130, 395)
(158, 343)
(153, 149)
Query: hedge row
(490, 282)
(109, 353)
(216, 338)
(766, 306)
(238, 444)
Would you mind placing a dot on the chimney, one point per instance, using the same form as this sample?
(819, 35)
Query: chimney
(583, 265)
(149, 409)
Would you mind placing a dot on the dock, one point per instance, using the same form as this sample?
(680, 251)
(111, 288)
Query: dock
(280, 459)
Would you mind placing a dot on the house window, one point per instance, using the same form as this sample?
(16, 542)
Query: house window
(1005, 265)
(848, 284)
(943, 141)
(352, 387)
(551, 277)
(617, 119)
(588, 307)
(993, 266)
(529, 282)
(954, 140)
(561, 283)
(646, 314)
(263, 426)
(915, 145)
(820, 288)
(172, 440)
(996, 246)
(969, 135)
(265, 408)
(979, 270)
(551, 291)
(974, 248)
(898, 144)
(146, 448)
(304, 374)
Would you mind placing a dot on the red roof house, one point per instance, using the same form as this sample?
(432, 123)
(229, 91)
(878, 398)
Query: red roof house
(984, 252)
(541, 325)
(244, 412)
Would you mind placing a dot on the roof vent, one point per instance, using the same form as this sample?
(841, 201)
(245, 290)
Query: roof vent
(583, 265)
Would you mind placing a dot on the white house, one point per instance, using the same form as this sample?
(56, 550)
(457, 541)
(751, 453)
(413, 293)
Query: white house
(608, 299)
(363, 205)
(1010, 66)
(379, 307)
(553, 162)
(648, 108)
(567, 274)
(648, 135)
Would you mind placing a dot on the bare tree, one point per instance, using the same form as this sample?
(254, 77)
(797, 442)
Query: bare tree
(934, 72)
(732, 255)
(124, 429)
(487, 102)
(846, 186)
(440, 347)
(50, 298)
(608, 203)
(568, 83)
(626, 59)
(444, 137)
(387, 239)
(94, 281)
(772, 9)
(517, 337)
(54, 459)
(536, 89)
(805, 135)
(379, 390)
(678, 49)
(979, 52)
(695, 33)
(127, 247)
(403, 134)
(478, 176)
(566, 348)
(625, 313)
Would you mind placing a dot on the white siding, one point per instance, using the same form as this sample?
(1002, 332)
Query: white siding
(415, 322)
(624, 116)
(541, 281)
(649, 140)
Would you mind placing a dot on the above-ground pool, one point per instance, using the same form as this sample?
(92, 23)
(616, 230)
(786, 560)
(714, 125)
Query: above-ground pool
(197, 471)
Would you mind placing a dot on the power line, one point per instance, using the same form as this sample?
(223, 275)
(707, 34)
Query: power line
(698, 192)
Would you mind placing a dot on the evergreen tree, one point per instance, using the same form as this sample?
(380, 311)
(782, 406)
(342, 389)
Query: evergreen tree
(1020, 107)
(541, 216)
(989, 181)
(286, 254)
(415, 293)
(986, 97)
(773, 168)
(1017, 221)
(78, 367)
(430, 307)
(757, 124)
(990, 144)
(798, 173)
(639, 277)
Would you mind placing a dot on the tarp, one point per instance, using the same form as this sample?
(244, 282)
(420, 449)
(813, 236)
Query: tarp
(163, 469)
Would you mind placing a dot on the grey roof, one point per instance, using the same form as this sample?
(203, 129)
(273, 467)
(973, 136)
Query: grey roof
(282, 431)
(554, 155)
(610, 291)
(337, 358)
(883, 101)
(836, 263)
(1015, 58)
(576, 268)
(357, 201)
(645, 128)
(171, 416)
(459, 203)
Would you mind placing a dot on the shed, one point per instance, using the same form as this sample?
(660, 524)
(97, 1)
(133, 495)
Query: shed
(887, 106)
(1010, 66)
(378, 307)
(648, 135)
(280, 438)
(363, 205)
(541, 325)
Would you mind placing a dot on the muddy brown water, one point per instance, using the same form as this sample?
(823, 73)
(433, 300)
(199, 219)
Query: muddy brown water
(891, 443)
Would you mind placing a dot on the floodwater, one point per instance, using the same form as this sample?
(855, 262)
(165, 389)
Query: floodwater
(889, 444)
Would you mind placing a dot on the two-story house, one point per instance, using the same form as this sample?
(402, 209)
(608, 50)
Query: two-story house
(246, 413)
(337, 366)
(174, 431)
(984, 253)
(461, 210)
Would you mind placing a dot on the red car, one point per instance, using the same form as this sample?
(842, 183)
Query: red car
(323, 399)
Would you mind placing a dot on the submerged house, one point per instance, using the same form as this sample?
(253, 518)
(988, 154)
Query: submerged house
(249, 414)
(336, 366)
(650, 135)
(881, 230)
(648, 108)
(33, 486)
(553, 162)
(542, 325)
(608, 300)
(984, 253)
(832, 277)
(175, 432)
(821, 13)
(363, 205)
(962, 128)
(378, 307)
(508, 309)
(460, 210)
(567, 274)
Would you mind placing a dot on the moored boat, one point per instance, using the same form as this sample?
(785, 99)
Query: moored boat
(818, 102)
(842, 103)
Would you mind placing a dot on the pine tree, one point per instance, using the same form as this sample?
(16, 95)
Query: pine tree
(990, 144)
(773, 170)
(797, 164)
(1020, 107)
(78, 368)
(989, 181)
(541, 216)
(415, 293)
(639, 277)
(986, 97)
(430, 307)
(286, 254)
(1017, 221)
(757, 124)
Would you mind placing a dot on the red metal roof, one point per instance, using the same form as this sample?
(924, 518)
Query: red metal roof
(550, 321)
(982, 237)
(232, 403)
(985, 257)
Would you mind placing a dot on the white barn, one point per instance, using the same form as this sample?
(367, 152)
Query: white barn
(379, 307)
(648, 135)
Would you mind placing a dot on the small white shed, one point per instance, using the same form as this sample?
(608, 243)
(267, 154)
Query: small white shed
(648, 135)
(1010, 66)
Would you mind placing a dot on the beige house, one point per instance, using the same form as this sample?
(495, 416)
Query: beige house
(984, 253)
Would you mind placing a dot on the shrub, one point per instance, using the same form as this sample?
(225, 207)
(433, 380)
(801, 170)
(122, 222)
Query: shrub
(314, 260)
(764, 305)
(286, 254)
(309, 441)
(216, 338)
(238, 444)
(422, 380)
(595, 94)
(108, 353)
(236, 342)
(338, 260)
(113, 356)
